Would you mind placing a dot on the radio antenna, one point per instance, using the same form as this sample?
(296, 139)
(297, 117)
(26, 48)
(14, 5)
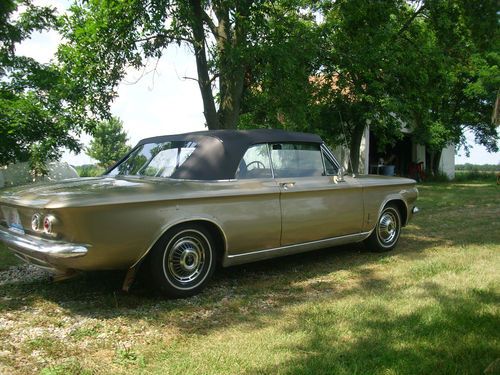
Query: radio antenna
(345, 143)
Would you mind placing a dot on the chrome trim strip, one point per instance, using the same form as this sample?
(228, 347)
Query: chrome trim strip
(253, 256)
(40, 248)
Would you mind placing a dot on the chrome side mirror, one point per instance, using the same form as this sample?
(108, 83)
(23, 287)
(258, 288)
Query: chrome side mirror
(339, 177)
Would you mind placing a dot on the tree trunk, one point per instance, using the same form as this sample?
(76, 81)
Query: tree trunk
(230, 105)
(231, 75)
(202, 66)
(356, 137)
(436, 157)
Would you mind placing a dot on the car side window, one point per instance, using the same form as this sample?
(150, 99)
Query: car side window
(255, 163)
(297, 160)
(330, 168)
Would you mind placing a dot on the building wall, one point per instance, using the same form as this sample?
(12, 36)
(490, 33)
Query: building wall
(447, 162)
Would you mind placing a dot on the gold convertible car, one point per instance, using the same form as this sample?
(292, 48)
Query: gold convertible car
(180, 204)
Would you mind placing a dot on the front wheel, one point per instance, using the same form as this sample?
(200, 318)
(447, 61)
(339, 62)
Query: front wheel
(183, 261)
(386, 233)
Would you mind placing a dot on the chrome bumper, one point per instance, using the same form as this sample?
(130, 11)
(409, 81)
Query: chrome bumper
(40, 251)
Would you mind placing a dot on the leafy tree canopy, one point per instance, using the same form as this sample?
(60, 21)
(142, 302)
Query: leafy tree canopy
(431, 64)
(109, 143)
(227, 38)
(35, 118)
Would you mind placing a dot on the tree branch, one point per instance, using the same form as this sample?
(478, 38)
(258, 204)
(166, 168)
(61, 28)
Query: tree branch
(410, 20)
(165, 36)
(210, 23)
(190, 78)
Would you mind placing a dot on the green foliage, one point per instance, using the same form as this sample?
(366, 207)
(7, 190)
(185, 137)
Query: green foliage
(432, 65)
(235, 45)
(36, 120)
(110, 142)
(361, 64)
(325, 67)
(89, 170)
(464, 41)
(280, 92)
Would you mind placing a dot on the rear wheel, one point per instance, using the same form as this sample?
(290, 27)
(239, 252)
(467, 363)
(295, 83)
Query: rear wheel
(386, 233)
(183, 260)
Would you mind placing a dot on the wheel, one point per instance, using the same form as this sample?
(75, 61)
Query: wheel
(386, 233)
(183, 261)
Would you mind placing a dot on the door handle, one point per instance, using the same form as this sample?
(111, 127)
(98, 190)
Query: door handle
(287, 185)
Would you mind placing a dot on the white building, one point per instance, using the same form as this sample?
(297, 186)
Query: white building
(405, 155)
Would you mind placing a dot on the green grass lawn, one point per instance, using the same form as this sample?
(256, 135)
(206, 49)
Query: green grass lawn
(429, 307)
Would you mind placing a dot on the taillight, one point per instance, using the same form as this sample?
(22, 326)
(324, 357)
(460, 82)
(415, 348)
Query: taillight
(48, 222)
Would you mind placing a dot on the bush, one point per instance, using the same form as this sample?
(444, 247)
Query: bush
(89, 170)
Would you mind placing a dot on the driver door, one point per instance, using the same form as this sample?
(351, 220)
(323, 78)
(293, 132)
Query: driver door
(313, 205)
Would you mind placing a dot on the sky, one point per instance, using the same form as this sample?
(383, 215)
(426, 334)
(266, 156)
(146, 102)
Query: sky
(161, 101)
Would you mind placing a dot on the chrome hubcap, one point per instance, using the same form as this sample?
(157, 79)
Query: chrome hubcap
(186, 259)
(387, 228)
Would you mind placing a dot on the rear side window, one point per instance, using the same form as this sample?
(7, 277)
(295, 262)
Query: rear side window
(297, 160)
(255, 163)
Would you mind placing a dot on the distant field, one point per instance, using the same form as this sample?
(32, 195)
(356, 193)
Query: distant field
(432, 306)
(476, 172)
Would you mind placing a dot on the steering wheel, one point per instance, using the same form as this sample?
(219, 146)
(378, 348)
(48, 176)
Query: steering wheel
(259, 165)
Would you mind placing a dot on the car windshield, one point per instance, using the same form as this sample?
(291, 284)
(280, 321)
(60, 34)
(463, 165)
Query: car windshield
(155, 159)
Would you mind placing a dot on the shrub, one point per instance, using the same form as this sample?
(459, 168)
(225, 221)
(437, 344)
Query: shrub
(89, 170)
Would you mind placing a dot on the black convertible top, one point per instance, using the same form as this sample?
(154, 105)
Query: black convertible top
(219, 152)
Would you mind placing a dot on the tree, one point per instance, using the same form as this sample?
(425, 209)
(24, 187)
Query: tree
(433, 66)
(35, 120)
(359, 68)
(280, 87)
(109, 143)
(467, 38)
(104, 38)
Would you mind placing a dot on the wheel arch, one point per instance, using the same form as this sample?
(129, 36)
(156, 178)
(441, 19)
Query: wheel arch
(213, 227)
(400, 204)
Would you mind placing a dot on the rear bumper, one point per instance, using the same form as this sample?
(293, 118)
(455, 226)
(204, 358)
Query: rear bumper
(39, 251)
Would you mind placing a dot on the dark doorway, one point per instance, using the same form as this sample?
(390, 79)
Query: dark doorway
(399, 155)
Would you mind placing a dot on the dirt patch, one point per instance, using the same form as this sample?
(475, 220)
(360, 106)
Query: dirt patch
(24, 273)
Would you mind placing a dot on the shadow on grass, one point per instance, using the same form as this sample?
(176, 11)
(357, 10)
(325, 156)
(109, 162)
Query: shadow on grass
(252, 293)
(286, 280)
(455, 335)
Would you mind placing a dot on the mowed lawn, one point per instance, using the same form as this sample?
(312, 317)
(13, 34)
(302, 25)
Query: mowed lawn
(429, 307)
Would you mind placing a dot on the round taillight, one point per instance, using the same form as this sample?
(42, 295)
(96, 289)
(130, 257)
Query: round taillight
(36, 222)
(47, 223)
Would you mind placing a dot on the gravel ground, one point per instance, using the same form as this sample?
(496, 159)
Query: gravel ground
(24, 273)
